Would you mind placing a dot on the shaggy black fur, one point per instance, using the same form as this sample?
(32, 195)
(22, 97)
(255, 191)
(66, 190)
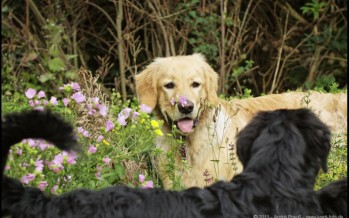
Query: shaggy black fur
(334, 198)
(282, 152)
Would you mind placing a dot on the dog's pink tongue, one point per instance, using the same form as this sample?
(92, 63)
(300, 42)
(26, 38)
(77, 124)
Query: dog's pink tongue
(185, 125)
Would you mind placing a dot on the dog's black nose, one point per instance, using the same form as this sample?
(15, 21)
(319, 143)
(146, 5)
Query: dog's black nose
(186, 108)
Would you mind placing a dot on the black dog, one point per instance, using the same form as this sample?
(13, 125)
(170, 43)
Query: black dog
(282, 152)
(334, 198)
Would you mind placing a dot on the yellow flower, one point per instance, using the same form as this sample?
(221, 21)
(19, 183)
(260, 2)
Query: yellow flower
(142, 120)
(105, 142)
(158, 132)
(154, 124)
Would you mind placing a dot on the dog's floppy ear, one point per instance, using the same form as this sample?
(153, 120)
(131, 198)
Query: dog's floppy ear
(249, 134)
(211, 78)
(316, 134)
(146, 87)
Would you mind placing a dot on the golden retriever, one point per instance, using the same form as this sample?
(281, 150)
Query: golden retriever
(182, 90)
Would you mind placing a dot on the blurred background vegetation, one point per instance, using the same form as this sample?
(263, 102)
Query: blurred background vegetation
(266, 46)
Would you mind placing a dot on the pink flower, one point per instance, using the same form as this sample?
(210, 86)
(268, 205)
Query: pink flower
(36, 102)
(31, 142)
(31, 103)
(7, 167)
(141, 178)
(45, 102)
(53, 101)
(65, 101)
(126, 112)
(98, 173)
(27, 178)
(95, 100)
(144, 108)
(54, 189)
(71, 158)
(80, 130)
(92, 111)
(58, 159)
(43, 145)
(42, 185)
(135, 115)
(41, 94)
(86, 133)
(99, 138)
(183, 101)
(19, 152)
(39, 166)
(122, 120)
(148, 184)
(103, 110)
(109, 126)
(78, 97)
(92, 149)
(75, 86)
(30, 93)
(106, 160)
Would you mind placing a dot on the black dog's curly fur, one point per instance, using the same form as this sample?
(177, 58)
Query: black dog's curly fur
(282, 152)
(334, 198)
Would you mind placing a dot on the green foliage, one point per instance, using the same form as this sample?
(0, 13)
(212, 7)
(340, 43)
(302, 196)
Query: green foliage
(325, 84)
(314, 8)
(122, 153)
(34, 59)
(238, 70)
(204, 35)
(337, 162)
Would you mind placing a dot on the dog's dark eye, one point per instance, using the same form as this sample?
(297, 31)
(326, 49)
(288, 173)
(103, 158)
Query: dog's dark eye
(195, 84)
(169, 85)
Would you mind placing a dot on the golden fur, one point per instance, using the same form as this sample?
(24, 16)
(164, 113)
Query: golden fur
(210, 145)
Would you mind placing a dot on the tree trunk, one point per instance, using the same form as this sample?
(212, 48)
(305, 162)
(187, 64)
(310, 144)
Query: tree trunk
(121, 50)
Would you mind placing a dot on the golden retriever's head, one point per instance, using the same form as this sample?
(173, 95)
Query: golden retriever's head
(178, 88)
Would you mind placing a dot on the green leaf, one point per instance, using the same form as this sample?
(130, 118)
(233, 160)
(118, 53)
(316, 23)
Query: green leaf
(70, 75)
(46, 77)
(70, 56)
(119, 169)
(56, 65)
(54, 51)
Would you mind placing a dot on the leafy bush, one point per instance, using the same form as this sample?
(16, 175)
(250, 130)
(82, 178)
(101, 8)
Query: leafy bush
(117, 149)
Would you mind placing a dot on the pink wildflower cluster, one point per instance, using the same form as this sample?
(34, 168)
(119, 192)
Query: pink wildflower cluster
(181, 100)
(145, 184)
(96, 106)
(98, 174)
(37, 143)
(38, 100)
(127, 114)
(56, 165)
(93, 104)
(83, 131)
